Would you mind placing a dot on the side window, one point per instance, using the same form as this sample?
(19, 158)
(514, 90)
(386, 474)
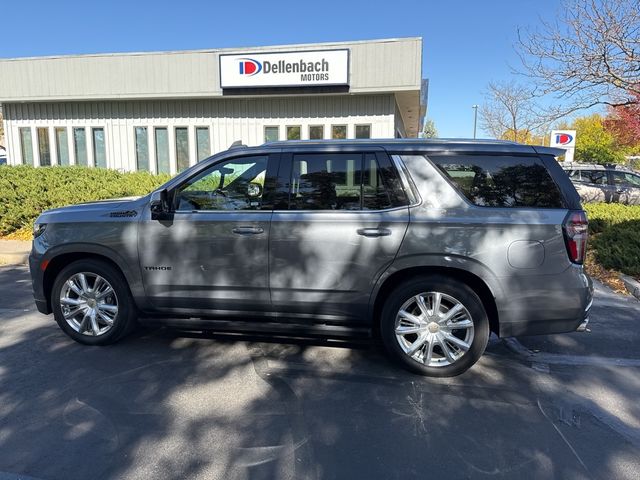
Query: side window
(350, 181)
(236, 184)
(501, 181)
(599, 177)
(625, 179)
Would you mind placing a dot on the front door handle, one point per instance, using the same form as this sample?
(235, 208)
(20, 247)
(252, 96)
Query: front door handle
(374, 232)
(248, 230)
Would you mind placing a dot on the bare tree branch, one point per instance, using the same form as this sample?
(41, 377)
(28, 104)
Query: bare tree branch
(590, 56)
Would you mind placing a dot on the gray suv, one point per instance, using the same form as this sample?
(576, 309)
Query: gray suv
(429, 244)
(604, 183)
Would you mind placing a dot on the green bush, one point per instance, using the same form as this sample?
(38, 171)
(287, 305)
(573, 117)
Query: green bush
(616, 236)
(27, 191)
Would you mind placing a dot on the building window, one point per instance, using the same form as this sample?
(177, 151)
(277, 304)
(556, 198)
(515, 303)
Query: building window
(203, 147)
(162, 150)
(44, 150)
(26, 145)
(363, 131)
(142, 148)
(271, 134)
(99, 149)
(80, 146)
(293, 132)
(62, 145)
(316, 132)
(338, 132)
(182, 148)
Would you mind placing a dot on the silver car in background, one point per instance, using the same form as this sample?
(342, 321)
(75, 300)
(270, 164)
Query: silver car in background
(604, 183)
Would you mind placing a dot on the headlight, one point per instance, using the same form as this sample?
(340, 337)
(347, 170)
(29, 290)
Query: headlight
(38, 229)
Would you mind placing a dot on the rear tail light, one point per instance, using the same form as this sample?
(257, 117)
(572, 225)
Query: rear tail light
(576, 234)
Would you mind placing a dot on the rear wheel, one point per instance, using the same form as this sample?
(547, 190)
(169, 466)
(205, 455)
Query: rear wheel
(92, 304)
(435, 326)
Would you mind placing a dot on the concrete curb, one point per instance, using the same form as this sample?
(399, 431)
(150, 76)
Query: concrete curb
(633, 286)
(14, 252)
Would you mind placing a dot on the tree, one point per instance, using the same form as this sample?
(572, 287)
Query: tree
(594, 143)
(429, 130)
(590, 57)
(624, 123)
(510, 113)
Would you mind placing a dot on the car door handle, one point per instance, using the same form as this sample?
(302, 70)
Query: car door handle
(248, 230)
(374, 232)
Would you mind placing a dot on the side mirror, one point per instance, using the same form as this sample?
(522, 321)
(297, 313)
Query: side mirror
(159, 205)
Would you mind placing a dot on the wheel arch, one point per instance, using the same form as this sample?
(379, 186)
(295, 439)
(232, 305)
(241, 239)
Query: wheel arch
(472, 280)
(59, 259)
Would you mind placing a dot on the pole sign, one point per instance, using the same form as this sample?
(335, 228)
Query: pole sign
(564, 139)
(285, 69)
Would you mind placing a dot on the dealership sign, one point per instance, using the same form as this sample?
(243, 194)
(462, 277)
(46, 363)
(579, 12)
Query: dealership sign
(286, 69)
(564, 139)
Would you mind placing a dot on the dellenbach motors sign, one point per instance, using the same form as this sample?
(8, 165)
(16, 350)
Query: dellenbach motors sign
(564, 139)
(288, 69)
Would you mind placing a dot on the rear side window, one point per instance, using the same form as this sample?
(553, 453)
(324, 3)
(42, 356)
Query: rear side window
(349, 181)
(501, 181)
(599, 177)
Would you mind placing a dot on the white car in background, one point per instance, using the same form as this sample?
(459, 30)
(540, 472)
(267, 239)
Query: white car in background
(604, 183)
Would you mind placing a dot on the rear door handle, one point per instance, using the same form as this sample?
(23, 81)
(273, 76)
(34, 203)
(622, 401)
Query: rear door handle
(248, 230)
(374, 232)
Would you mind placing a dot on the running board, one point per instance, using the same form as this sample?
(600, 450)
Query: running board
(239, 326)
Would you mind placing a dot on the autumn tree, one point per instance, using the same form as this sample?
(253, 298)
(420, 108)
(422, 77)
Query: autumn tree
(624, 123)
(509, 112)
(590, 56)
(594, 143)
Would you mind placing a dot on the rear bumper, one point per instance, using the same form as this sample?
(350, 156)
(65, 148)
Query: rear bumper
(558, 306)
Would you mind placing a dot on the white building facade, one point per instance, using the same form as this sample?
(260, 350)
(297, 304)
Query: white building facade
(163, 112)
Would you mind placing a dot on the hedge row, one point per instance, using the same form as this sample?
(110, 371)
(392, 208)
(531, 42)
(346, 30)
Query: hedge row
(26, 191)
(615, 236)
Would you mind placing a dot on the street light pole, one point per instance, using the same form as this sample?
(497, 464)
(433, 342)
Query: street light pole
(475, 120)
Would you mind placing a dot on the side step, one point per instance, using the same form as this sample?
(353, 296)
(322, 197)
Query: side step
(239, 326)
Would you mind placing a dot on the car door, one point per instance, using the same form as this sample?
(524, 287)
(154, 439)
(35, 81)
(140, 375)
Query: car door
(627, 187)
(212, 253)
(336, 228)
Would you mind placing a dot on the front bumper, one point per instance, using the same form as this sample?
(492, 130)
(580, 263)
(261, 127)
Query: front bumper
(37, 283)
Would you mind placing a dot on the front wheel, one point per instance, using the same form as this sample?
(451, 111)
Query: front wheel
(435, 326)
(92, 303)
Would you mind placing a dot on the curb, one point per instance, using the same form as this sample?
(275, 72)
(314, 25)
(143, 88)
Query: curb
(633, 286)
(14, 258)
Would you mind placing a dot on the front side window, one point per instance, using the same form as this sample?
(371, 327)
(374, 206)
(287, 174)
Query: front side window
(626, 179)
(501, 181)
(26, 145)
(232, 185)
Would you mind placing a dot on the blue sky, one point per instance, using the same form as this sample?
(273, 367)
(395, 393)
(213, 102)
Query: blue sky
(467, 43)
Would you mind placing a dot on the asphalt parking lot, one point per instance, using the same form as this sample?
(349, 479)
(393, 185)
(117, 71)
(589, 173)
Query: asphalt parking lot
(166, 404)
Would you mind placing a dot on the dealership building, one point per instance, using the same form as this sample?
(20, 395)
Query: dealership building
(165, 111)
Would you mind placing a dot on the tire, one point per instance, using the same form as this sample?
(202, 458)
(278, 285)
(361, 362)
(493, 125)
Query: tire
(415, 327)
(123, 318)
